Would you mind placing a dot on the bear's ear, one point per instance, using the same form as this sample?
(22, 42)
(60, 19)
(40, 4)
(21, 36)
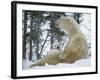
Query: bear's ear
(66, 19)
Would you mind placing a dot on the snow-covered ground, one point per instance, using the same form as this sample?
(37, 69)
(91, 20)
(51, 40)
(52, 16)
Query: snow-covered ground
(79, 63)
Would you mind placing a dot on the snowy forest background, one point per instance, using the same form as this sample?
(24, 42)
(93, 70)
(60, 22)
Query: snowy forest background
(40, 34)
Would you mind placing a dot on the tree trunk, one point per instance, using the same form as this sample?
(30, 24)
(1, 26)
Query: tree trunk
(52, 27)
(44, 43)
(37, 50)
(24, 35)
(31, 26)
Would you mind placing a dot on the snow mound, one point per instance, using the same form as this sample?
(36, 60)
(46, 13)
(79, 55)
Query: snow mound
(79, 63)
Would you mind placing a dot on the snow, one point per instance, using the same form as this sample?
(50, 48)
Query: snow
(26, 64)
(79, 63)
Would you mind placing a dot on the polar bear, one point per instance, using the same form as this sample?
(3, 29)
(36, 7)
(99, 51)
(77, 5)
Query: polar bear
(75, 49)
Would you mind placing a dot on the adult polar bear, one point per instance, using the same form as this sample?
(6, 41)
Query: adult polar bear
(75, 49)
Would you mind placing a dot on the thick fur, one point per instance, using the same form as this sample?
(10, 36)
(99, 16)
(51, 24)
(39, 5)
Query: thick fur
(75, 49)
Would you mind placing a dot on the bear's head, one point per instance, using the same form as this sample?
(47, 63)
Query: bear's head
(67, 24)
